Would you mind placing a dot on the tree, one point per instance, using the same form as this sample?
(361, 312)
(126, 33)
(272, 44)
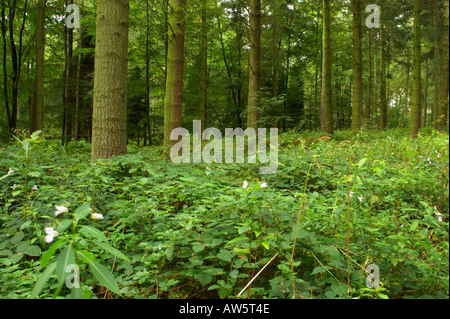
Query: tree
(254, 65)
(357, 98)
(383, 102)
(443, 85)
(326, 115)
(37, 117)
(416, 93)
(203, 67)
(109, 122)
(173, 100)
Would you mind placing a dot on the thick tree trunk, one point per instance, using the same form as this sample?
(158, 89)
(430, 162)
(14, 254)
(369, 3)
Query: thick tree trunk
(326, 115)
(109, 122)
(254, 66)
(416, 96)
(173, 100)
(357, 98)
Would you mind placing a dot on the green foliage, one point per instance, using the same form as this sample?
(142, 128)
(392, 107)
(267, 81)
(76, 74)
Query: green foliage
(192, 230)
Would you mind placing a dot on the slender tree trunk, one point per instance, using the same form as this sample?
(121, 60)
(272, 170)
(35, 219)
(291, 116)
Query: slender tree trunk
(254, 65)
(37, 117)
(425, 98)
(326, 117)
(173, 100)
(416, 98)
(109, 120)
(203, 67)
(357, 98)
(436, 63)
(368, 113)
(147, 77)
(405, 109)
(443, 97)
(383, 103)
(5, 70)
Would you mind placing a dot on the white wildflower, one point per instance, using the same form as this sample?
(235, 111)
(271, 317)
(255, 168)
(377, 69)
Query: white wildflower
(244, 186)
(10, 171)
(96, 216)
(51, 234)
(263, 185)
(61, 209)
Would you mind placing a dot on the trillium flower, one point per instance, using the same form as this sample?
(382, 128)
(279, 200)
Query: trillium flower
(61, 209)
(437, 153)
(244, 186)
(96, 216)
(10, 171)
(51, 234)
(35, 188)
(360, 199)
(351, 194)
(263, 185)
(440, 218)
(14, 187)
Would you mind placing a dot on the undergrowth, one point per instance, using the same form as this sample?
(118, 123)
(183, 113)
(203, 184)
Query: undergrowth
(169, 230)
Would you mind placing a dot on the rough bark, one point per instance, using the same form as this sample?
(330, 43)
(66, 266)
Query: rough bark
(109, 122)
(326, 116)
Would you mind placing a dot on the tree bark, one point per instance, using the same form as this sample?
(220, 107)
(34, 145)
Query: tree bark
(443, 86)
(416, 96)
(254, 65)
(383, 103)
(357, 98)
(109, 120)
(326, 115)
(203, 67)
(37, 117)
(173, 100)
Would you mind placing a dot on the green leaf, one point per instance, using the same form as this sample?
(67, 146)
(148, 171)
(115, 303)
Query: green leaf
(110, 249)
(318, 270)
(33, 250)
(34, 174)
(169, 253)
(104, 276)
(63, 225)
(50, 252)
(65, 258)
(82, 211)
(236, 240)
(94, 232)
(204, 279)
(362, 162)
(414, 225)
(265, 244)
(48, 272)
(198, 247)
(17, 237)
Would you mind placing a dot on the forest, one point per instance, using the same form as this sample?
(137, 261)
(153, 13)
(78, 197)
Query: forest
(313, 136)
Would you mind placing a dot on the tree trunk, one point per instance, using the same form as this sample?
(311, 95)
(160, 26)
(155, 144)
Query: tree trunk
(5, 70)
(37, 117)
(109, 120)
(383, 103)
(254, 65)
(368, 113)
(416, 96)
(326, 115)
(436, 63)
(203, 68)
(173, 100)
(357, 98)
(443, 97)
